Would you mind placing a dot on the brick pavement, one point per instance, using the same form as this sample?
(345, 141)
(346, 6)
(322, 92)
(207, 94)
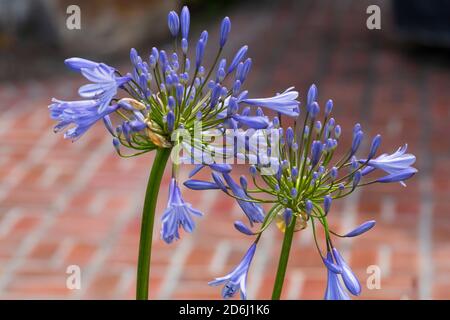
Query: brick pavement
(79, 204)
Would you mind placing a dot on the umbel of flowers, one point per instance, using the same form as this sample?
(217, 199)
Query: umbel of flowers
(165, 91)
(300, 176)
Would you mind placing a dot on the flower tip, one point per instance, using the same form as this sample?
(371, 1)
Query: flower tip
(241, 227)
(364, 227)
(224, 31)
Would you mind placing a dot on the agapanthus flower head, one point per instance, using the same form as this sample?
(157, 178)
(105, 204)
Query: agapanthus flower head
(302, 182)
(166, 93)
(236, 280)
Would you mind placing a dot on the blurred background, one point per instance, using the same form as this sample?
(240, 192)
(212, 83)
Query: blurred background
(64, 203)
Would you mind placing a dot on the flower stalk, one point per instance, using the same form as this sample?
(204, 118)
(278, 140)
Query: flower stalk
(148, 218)
(284, 257)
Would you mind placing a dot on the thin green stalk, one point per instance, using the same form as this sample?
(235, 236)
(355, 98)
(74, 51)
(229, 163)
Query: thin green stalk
(148, 217)
(284, 257)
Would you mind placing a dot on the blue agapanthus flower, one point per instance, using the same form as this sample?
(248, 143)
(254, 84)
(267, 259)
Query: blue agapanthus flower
(334, 289)
(105, 81)
(236, 280)
(397, 165)
(80, 115)
(178, 214)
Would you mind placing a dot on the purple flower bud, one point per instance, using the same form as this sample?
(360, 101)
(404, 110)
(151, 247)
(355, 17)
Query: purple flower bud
(356, 178)
(244, 182)
(350, 280)
(126, 131)
(328, 107)
(354, 163)
(316, 152)
(253, 171)
(215, 94)
(220, 75)
(108, 124)
(171, 102)
(318, 126)
(312, 95)
(329, 144)
(337, 131)
(314, 110)
(276, 187)
(237, 58)
(327, 203)
(134, 56)
(306, 129)
(116, 144)
(293, 192)
(218, 181)
(222, 63)
(239, 69)
(224, 31)
(200, 185)
(170, 121)
(333, 173)
(295, 146)
(236, 87)
(308, 207)
(223, 91)
(220, 167)
(366, 226)
(374, 147)
(294, 172)
(199, 53)
(137, 125)
(356, 129)
(241, 227)
(204, 36)
(321, 170)
(155, 53)
(152, 61)
(315, 175)
(289, 136)
(232, 106)
(201, 71)
(260, 112)
(163, 58)
(179, 89)
(174, 23)
(276, 122)
(287, 215)
(185, 21)
(184, 45)
(357, 138)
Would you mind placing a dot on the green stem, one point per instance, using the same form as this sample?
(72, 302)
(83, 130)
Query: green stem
(148, 217)
(284, 256)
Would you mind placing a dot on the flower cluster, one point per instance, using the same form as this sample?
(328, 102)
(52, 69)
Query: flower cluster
(167, 93)
(305, 180)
